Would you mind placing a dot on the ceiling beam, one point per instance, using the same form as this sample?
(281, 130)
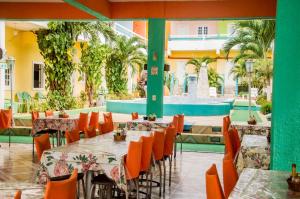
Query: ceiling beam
(98, 8)
(41, 11)
(227, 9)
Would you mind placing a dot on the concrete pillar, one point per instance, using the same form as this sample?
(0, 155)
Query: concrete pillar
(285, 136)
(2, 64)
(156, 60)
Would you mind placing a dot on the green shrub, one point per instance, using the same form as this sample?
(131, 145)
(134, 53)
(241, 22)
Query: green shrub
(119, 96)
(261, 99)
(266, 108)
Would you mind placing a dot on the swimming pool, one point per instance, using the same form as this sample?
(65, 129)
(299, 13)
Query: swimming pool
(175, 105)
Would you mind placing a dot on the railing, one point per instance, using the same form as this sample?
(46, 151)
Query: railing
(199, 37)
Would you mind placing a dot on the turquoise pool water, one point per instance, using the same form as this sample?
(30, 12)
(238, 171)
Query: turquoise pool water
(175, 105)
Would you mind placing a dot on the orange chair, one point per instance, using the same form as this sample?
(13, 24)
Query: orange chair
(105, 128)
(18, 195)
(133, 161)
(72, 136)
(230, 175)
(213, 185)
(89, 133)
(175, 122)
(94, 120)
(34, 116)
(226, 123)
(228, 143)
(65, 189)
(42, 143)
(134, 115)
(158, 151)
(235, 139)
(170, 137)
(179, 131)
(146, 161)
(108, 125)
(83, 122)
(6, 121)
(49, 113)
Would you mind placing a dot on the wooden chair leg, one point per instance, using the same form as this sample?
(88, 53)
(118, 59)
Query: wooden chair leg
(137, 188)
(160, 177)
(83, 188)
(9, 138)
(181, 144)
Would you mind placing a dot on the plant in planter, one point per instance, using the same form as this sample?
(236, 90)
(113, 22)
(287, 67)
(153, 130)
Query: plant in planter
(152, 117)
(252, 120)
(120, 135)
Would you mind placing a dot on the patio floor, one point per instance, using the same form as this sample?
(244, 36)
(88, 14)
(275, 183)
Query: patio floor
(188, 174)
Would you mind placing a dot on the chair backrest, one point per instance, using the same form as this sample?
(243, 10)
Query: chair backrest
(180, 123)
(175, 122)
(66, 189)
(18, 195)
(235, 140)
(228, 143)
(134, 115)
(213, 185)
(158, 144)
(49, 113)
(83, 122)
(42, 143)
(89, 133)
(108, 124)
(34, 115)
(133, 160)
(5, 118)
(146, 152)
(169, 140)
(72, 136)
(94, 120)
(226, 123)
(230, 175)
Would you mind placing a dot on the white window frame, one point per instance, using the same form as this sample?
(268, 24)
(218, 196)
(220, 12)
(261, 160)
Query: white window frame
(200, 30)
(43, 77)
(205, 30)
(7, 88)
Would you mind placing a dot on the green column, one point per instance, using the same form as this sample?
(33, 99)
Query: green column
(285, 134)
(156, 61)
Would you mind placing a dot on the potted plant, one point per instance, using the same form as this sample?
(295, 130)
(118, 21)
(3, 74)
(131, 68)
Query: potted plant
(120, 135)
(152, 117)
(63, 114)
(252, 120)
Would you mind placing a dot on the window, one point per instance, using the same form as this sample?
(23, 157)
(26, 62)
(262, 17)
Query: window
(199, 30)
(38, 76)
(7, 77)
(205, 30)
(202, 30)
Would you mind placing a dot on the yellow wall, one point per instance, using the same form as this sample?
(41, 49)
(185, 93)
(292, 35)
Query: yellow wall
(22, 45)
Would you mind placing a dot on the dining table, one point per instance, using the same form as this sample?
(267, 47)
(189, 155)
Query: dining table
(29, 190)
(54, 123)
(254, 153)
(146, 125)
(88, 155)
(263, 184)
(262, 128)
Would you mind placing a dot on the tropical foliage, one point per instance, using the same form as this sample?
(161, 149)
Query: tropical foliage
(199, 62)
(254, 39)
(56, 46)
(93, 55)
(125, 53)
(214, 79)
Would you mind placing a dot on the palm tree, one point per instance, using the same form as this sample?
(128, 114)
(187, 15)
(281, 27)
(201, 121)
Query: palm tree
(214, 79)
(254, 39)
(125, 53)
(199, 62)
(239, 70)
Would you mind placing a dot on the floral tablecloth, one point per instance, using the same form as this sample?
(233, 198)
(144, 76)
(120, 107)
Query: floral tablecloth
(246, 129)
(54, 123)
(29, 190)
(254, 153)
(145, 125)
(100, 153)
(262, 184)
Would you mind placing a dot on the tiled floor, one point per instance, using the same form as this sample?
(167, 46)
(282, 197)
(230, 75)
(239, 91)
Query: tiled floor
(188, 174)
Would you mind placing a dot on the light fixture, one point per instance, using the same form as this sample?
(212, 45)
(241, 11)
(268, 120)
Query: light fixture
(249, 66)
